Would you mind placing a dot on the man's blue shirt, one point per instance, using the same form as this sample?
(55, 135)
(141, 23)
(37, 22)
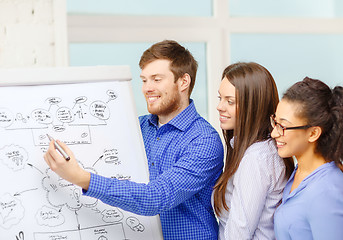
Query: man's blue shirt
(185, 158)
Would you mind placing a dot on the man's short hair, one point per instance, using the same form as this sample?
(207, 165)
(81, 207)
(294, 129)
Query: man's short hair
(181, 60)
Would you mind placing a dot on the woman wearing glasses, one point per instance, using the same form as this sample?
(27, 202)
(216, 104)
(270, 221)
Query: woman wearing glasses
(308, 124)
(250, 188)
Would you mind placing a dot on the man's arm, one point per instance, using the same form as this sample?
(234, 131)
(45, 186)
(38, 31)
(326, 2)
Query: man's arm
(199, 166)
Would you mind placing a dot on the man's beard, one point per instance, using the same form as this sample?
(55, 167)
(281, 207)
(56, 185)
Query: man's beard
(167, 106)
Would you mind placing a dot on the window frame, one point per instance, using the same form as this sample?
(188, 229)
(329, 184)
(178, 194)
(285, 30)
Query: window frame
(214, 31)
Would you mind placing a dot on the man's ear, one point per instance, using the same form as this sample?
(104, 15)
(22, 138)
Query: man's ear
(184, 82)
(315, 133)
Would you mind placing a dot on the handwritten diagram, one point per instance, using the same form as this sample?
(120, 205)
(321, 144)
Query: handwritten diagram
(37, 203)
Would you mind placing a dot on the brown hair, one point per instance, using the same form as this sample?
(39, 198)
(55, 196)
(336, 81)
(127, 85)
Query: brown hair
(181, 59)
(323, 107)
(257, 99)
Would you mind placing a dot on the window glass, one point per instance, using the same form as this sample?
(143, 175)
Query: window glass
(92, 54)
(289, 8)
(201, 8)
(291, 57)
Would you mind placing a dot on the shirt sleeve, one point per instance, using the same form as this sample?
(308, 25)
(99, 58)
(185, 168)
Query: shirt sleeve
(199, 166)
(250, 188)
(326, 215)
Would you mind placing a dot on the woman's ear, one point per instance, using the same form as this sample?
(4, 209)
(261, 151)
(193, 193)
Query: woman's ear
(315, 133)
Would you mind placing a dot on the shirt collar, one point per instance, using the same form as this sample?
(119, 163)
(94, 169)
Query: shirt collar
(182, 120)
(305, 181)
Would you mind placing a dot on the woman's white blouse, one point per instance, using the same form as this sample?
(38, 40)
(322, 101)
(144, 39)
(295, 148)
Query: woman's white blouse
(253, 193)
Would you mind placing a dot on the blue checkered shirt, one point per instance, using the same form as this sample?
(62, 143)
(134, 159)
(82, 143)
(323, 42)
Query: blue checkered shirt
(185, 158)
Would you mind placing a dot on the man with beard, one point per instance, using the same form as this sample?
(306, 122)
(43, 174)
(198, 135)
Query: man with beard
(185, 153)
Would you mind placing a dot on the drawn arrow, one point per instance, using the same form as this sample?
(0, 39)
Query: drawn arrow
(77, 219)
(51, 106)
(35, 168)
(98, 160)
(96, 210)
(19, 193)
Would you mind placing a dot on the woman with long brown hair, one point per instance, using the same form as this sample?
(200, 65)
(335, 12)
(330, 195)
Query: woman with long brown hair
(308, 124)
(250, 187)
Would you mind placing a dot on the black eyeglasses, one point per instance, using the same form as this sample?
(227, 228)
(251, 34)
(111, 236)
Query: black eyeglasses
(281, 129)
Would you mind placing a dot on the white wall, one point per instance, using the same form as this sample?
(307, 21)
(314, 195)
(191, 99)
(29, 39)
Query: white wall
(33, 33)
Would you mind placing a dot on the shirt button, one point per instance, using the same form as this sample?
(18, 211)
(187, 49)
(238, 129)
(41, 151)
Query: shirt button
(152, 164)
(158, 138)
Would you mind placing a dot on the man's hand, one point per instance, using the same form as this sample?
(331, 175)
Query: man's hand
(68, 170)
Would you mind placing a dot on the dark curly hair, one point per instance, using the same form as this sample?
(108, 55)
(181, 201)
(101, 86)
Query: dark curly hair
(321, 106)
